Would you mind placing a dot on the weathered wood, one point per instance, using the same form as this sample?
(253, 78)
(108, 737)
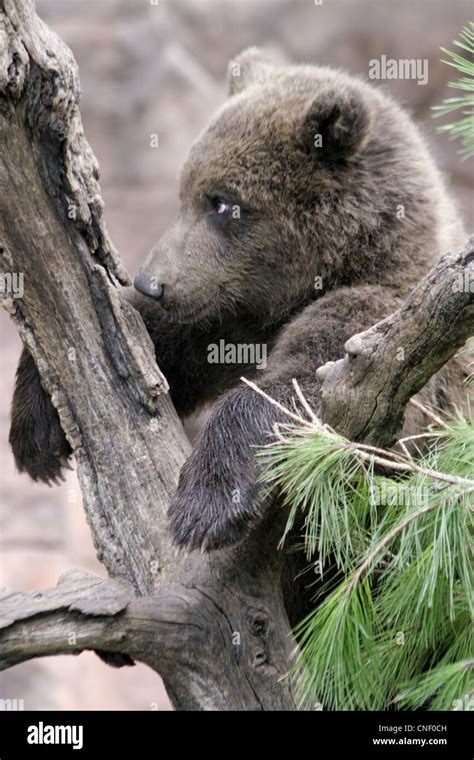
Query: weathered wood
(87, 344)
(214, 626)
(96, 360)
(364, 395)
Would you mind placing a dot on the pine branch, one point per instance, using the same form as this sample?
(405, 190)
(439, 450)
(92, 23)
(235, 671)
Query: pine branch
(464, 127)
(422, 590)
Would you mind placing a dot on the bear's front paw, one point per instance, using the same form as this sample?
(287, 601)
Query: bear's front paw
(213, 506)
(40, 447)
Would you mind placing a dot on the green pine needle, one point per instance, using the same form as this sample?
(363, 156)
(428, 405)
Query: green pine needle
(396, 630)
(462, 129)
(445, 685)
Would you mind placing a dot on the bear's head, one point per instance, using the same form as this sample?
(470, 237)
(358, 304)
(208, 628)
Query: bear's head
(293, 188)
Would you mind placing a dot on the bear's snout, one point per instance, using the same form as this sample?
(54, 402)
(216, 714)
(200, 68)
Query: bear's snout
(148, 285)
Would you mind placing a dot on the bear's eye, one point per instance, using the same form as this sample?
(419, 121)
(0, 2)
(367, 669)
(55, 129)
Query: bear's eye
(219, 206)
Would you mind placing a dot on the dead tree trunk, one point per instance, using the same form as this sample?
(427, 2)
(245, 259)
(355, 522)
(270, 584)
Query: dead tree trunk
(214, 626)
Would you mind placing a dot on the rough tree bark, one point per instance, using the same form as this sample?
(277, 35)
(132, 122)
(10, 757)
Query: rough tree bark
(214, 626)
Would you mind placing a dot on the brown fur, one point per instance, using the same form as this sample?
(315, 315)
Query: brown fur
(305, 212)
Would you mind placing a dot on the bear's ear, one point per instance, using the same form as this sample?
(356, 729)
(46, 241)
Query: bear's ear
(335, 127)
(250, 66)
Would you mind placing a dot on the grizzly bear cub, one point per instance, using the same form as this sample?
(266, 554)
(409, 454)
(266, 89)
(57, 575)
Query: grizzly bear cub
(310, 207)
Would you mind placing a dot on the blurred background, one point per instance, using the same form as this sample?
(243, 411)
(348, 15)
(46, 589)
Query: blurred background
(158, 68)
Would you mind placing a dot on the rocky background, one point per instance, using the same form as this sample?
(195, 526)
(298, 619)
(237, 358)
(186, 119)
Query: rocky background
(158, 68)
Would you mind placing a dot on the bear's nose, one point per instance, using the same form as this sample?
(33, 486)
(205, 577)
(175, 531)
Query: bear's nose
(148, 286)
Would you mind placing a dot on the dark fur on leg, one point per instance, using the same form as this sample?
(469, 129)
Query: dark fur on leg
(36, 437)
(218, 498)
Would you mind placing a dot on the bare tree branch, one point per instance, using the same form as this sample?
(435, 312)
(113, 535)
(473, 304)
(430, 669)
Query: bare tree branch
(178, 631)
(365, 394)
(78, 614)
